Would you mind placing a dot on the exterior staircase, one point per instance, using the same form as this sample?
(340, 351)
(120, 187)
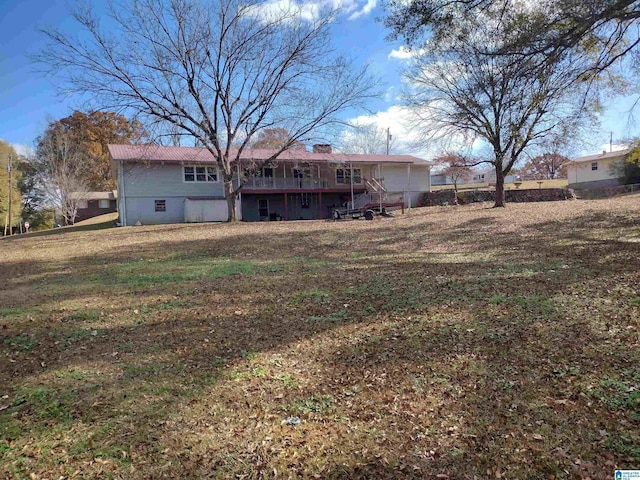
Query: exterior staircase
(376, 194)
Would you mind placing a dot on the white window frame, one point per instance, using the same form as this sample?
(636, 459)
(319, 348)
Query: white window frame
(347, 176)
(103, 204)
(208, 170)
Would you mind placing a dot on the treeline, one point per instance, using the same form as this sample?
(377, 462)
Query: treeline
(70, 158)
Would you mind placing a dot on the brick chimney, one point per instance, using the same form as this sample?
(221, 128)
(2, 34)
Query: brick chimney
(322, 148)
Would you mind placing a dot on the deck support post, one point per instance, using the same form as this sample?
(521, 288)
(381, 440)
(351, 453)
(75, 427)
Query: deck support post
(286, 207)
(320, 205)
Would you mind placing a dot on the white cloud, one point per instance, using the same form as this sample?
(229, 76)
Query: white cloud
(365, 10)
(402, 53)
(21, 149)
(397, 119)
(310, 10)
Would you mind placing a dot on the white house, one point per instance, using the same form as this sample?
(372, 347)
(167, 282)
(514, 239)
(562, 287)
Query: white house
(158, 184)
(594, 171)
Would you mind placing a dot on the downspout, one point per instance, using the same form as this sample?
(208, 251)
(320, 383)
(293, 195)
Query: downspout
(122, 195)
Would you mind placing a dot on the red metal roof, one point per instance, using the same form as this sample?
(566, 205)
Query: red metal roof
(156, 153)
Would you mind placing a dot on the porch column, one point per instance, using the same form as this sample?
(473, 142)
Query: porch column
(351, 182)
(286, 207)
(380, 182)
(320, 204)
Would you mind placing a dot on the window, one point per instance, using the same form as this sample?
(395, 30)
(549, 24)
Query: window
(267, 172)
(263, 207)
(304, 200)
(161, 205)
(83, 204)
(200, 174)
(103, 203)
(343, 175)
(594, 166)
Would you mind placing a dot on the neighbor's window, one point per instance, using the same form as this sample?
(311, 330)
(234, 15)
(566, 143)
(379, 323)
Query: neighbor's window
(343, 175)
(200, 174)
(161, 205)
(83, 204)
(594, 166)
(103, 203)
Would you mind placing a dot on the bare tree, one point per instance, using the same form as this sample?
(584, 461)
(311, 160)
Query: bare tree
(460, 89)
(367, 139)
(217, 70)
(62, 171)
(456, 168)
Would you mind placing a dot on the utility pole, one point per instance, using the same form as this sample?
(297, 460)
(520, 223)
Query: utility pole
(389, 136)
(9, 169)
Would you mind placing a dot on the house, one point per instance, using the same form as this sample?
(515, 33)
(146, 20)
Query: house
(158, 184)
(594, 171)
(92, 204)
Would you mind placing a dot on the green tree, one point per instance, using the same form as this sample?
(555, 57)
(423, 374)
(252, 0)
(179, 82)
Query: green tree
(628, 169)
(6, 151)
(35, 208)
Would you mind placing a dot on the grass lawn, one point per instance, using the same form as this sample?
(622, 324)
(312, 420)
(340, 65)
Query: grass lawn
(464, 342)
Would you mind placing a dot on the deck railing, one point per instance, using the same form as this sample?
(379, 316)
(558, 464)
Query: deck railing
(271, 183)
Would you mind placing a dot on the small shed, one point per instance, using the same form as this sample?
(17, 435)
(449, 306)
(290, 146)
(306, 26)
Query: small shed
(207, 209)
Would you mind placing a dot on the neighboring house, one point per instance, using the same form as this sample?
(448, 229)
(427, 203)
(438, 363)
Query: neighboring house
(159, 184)
(92, 204)
(487, 175)
(594, 171)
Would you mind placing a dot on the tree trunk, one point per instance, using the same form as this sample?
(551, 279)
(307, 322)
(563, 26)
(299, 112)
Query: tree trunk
(455, 193)
(499, 195)
(230, 195)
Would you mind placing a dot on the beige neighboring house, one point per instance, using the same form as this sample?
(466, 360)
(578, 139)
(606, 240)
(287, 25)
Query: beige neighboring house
(594, 171)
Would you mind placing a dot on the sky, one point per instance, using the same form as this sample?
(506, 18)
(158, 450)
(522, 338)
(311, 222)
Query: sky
(28, 100)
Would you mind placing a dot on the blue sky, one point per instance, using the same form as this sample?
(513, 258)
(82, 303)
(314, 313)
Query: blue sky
(28, 100)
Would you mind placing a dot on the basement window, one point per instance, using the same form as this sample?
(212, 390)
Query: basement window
(594, 166)
(161, 205)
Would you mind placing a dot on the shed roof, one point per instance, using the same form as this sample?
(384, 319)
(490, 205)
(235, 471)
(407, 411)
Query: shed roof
(156, 153)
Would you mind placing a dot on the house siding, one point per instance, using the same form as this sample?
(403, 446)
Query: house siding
(395, 181)
(143, 184)
(580, 174)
